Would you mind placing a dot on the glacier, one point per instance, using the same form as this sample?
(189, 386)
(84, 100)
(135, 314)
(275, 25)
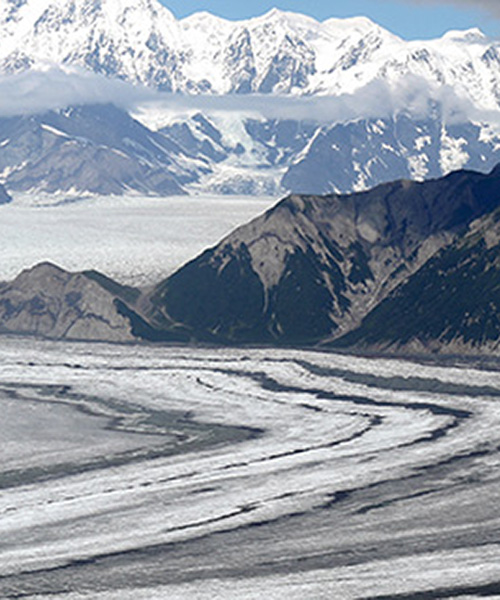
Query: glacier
(216, 472)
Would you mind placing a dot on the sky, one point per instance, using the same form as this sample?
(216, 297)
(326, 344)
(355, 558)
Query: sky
(410, 19)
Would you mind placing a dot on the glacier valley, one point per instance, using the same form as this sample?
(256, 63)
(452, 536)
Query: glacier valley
(223, 473)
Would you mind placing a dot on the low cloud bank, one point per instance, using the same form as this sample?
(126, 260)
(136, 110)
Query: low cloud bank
(53, 88)
(411, 94)
(38, 91)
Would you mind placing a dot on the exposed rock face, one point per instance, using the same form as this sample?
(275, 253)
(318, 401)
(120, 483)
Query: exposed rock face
(50, 302)
(5, 197)
(98, 149)
(313, 267)
(450, 305)
(357, 155)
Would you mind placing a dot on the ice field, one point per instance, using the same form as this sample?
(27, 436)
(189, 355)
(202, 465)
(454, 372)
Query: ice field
(134, 239)
(169, 472)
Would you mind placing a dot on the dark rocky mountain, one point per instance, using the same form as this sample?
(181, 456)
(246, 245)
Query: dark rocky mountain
(50, 302)
(313, 267)
(405, 267)
(98, 149)
(362, 153)
(450, 305)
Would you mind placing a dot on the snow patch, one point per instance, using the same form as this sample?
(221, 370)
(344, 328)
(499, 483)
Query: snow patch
(53, 130)
(417, 165)
(453, 155)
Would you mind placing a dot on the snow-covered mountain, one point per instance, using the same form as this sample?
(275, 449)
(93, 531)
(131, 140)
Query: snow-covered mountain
(102, 149)
(141, 41)
(349, 104)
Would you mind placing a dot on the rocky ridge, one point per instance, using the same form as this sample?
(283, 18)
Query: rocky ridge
(50, 302)
(404, 267)
(313, 267)
(451, 305)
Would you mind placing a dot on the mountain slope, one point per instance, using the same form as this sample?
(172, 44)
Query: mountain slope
(50, 302)
(5, 197)
(126, 39)
(98, 149)
(360, 154)
(313, 267)
(450, 305)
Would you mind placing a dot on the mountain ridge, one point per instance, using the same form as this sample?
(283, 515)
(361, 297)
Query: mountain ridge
(337, 255)
(242, 154)
(279, 52)
(450, 305)
(405, 267)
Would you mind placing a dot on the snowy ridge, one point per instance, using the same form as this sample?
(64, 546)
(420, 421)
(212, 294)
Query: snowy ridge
(140, 41)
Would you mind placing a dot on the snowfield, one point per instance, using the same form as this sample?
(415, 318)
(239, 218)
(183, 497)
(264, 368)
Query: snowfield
(244, 473)
(136, 240)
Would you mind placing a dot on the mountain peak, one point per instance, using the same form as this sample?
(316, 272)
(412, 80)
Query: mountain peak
(203, 19)
(280, 52)
(292, 19)
(351, 23)
(469, 36)
(274, 13)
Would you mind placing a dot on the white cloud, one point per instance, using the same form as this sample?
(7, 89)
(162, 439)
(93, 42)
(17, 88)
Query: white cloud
(34, 92)
(54, 88)
(378, 99)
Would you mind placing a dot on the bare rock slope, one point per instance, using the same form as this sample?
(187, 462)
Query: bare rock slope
(450, 305)
(50, 302)
(404, 267)
(313, 267)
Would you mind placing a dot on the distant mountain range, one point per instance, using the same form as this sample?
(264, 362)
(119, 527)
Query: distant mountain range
(101, 149)
(140, 41)
(416, 109)
(404, 267)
